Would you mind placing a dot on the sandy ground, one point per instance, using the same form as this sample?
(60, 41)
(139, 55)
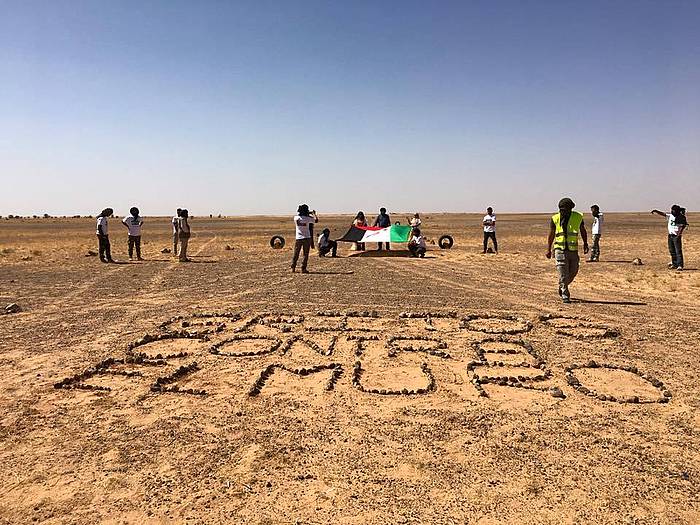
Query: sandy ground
(392, 428)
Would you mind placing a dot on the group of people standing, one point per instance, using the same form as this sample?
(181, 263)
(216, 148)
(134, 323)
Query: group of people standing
(134, 222)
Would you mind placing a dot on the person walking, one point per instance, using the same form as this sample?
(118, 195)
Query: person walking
(184, 233)
(564, 229)
(104, 247)
(304, 222)
(176, 231)
(383, 221)
(326, 245)
(677, 223)
(489, 223)
(362, 222)
(133, 223)
(596, 231)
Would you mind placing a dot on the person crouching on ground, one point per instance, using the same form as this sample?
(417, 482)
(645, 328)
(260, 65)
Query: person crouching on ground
(133, 223)
(176, 231)
(489, 223)
(184, 233)
(304, 224)
(596, 231)
(417, 245)
(677, 223)
(103, 235)
(326, 245)
(563, 234)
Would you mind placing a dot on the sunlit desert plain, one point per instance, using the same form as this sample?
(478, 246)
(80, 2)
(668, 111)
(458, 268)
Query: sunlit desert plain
(375, 389)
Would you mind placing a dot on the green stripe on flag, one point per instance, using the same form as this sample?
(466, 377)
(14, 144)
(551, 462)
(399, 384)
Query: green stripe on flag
(400, 233)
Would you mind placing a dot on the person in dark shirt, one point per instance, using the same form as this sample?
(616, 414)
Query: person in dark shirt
(383, 221)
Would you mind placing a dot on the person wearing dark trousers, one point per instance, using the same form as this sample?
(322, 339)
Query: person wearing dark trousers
(489, 223)
(417, 245)
(677, 223)
(133, 223)
(383, 221)
(596, 231)
(326, 245)
(105, 248)
(304, 222)
(176, 232)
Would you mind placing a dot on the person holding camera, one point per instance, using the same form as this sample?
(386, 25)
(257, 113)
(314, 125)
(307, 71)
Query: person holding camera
(304, 222)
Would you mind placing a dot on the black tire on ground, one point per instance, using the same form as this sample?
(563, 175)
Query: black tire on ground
(446, 242)
(277, 242)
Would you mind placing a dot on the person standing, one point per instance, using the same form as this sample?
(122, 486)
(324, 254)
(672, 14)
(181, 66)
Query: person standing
(133, 223)
(184, 233)
(103, 235)
(415, 221)
(176, 231)
(362, 222)
(564, 229)
(677, 223)
(489, 223)
(417, 245)
(596, 231)
(326, 245)
(383, 221)
(304, 224)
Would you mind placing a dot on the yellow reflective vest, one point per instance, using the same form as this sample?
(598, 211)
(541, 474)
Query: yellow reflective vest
(567, 240)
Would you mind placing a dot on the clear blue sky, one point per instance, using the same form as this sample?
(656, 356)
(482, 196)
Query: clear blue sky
(253, 107)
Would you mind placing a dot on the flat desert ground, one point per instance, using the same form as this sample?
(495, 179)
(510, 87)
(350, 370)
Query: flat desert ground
(362, 415)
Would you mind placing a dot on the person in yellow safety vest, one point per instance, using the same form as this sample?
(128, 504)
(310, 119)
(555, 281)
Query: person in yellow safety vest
(563, 236)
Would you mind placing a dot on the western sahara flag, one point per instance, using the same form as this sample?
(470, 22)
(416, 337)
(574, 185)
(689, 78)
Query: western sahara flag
(376, 234)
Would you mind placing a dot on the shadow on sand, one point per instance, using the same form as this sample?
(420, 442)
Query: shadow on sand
(331, 272)
(622, 303)
(387, 253)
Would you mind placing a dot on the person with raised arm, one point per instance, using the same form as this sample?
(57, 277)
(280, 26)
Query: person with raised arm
(677, 223)
(304, 222)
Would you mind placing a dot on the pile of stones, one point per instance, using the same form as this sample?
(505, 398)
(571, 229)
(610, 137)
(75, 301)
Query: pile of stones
(574, 382)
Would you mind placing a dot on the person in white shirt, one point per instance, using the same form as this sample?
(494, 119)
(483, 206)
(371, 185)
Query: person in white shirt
(326, 245)
(597, 231)
(489, 222)
(103, 235)
(304, 224)
(415, 222)
(133, 223)
(184, 233)
(417, 245)
(176, 232)
(677, 223)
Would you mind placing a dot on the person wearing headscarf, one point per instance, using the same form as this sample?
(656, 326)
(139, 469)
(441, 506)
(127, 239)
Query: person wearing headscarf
(105, 248)
(360, 220)
(326, 245)
(677, 223)
(176, 233)
(564, 229)
(596, 231)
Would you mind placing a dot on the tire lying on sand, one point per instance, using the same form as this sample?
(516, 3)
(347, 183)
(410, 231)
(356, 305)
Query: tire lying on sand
(277, 242)
(446, 242)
